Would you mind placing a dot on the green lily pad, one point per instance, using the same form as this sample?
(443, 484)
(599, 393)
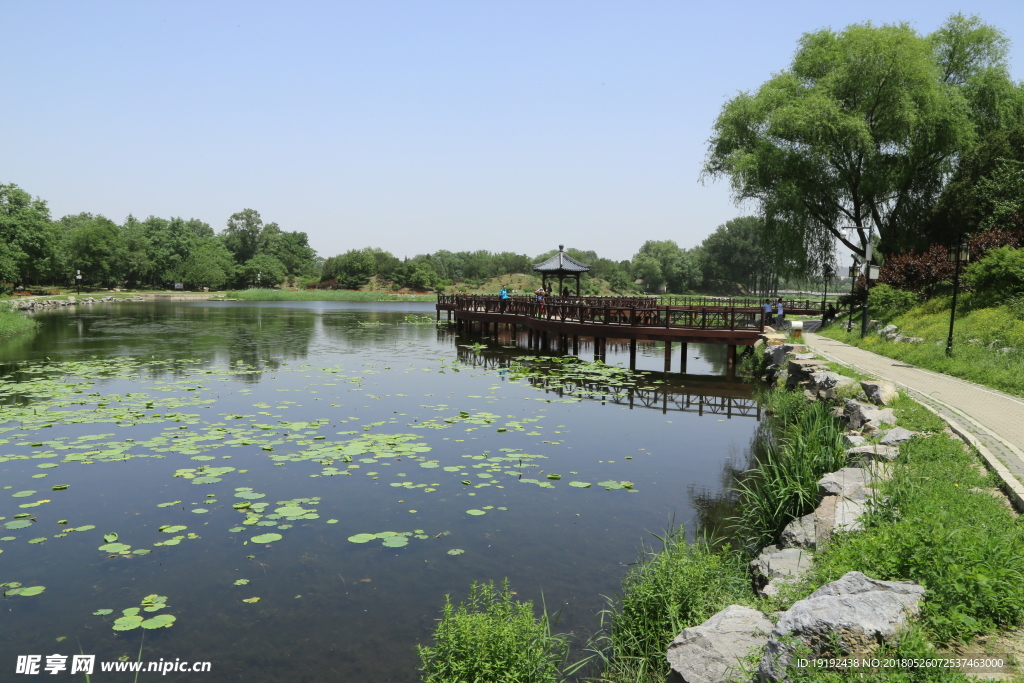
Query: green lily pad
(30, 591)
(456, 551)
(127, 623)
(362, 538)
(18, 524)
(200, 511)
(172, 529)
(241, 582)
(22, 494)
(580, 484)
(475, 512)
(159, 621)
(554, 477)
(109, 538)
(396, 542)
(103, 612)
(290, 511)
(114, 547)
(266, 538)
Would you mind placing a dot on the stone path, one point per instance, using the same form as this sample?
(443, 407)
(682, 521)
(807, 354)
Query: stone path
(994, 419)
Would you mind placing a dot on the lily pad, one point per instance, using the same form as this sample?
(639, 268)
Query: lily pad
(159, 621)
(172, 529)
(250, 599)
(396, 542)
(103, 612)
(266, 538)
(456, 551)
(241, 582)
(22, 494)
(362, 538)
(18, 524)
(114, 547)
(580, 484)
(290, 511)
(475, 512)
(127, 623)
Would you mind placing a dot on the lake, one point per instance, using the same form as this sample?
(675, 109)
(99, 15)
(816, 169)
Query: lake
(379, 460)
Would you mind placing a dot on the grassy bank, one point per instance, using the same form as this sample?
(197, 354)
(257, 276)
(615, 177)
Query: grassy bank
(12, 322)
(975, 332)
(323, 295)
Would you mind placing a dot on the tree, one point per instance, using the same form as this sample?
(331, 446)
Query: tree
(351, 270)
(243, 234)
(738, 251)
(862, 130)
(26, 232)
(262, 270)
(293, 251)
(663, 264)
(96, 248)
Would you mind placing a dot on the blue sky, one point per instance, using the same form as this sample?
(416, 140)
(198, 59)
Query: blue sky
(410, 126)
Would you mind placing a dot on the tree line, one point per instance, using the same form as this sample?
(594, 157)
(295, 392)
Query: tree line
(159, 252)
(155, 252)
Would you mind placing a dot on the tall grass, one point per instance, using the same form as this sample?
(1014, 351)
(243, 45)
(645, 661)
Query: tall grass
(323, 295)
(942, 529)
(670, 589)
(12, 322)
(807, 442)
(492, 638)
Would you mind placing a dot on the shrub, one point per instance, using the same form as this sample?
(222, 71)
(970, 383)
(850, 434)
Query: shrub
(491, 638)
(998, 276)
(679, 586)
(886, 302)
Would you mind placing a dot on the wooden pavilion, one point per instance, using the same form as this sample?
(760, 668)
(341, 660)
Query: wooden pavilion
(562, 266)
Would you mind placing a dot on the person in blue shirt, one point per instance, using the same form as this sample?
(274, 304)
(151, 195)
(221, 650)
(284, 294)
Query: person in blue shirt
(779, 313)
(767, 312)
(503, 295)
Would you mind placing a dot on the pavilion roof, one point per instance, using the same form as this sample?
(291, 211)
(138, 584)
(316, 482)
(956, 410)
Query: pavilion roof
(561, 263)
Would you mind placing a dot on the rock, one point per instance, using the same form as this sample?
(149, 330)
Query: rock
(893, 437)
(866, 417)
(853, 439)
(800, 371)
(888, 330)
(848, 482)
(1007, 349)
(855, 612)
(973, 341)
(912, 340)
(858, 456)
(803, 356)
(879, 392)
(775, 565)
(714, 651)
(799, 534)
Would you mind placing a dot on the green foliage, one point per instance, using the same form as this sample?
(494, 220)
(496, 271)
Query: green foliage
(888, 302)
(783, 484)
(999, 275)
(261, 294)
(668, 590)
(492, 638)
(13, 322)
(913, 416)
(262, 270)
(735, 252)
(664, 264)
(863, 128)
(939, 529)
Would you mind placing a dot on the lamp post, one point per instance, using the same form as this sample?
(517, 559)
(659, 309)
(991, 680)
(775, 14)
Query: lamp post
(957, 255)
(826, 272)
(78, 281)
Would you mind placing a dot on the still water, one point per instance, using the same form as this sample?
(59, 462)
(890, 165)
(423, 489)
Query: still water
(332, 421)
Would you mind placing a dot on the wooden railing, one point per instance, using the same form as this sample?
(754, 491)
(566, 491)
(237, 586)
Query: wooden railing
(743, 302)
(644, 315)
(625, 301)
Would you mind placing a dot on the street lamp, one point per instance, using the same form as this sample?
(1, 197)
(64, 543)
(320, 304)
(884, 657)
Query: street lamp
(869, 272)
(826, 273)
(958, 254)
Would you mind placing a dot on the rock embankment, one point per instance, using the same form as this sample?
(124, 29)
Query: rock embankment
(33, 304)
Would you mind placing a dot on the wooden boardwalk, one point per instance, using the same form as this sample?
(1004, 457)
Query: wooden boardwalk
(602, 318)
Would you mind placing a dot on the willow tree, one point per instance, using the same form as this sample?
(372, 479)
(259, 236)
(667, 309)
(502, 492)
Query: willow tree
(862, 130)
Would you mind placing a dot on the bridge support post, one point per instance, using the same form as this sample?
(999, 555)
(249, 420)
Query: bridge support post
(668, 356)
(632, 357)
(439, 315)
(544, 341)
(682, 357)
(575, 345)
(529, 337)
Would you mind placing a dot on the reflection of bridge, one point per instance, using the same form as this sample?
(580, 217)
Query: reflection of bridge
(704, 395)
(603, 318)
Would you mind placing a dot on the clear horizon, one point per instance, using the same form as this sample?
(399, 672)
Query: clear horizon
(404, 126)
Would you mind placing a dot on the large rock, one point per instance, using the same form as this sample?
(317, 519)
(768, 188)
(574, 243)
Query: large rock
(800, 371)
(879, 392)
(853, 439)
(825, 384)
(856, 613)
(866, 417)
(714, 651)
(859, 456)
(799, 534)
(847, 482)
(894, 437)
(775, 566)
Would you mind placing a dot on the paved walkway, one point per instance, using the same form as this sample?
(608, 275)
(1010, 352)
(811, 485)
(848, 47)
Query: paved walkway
(995, 419)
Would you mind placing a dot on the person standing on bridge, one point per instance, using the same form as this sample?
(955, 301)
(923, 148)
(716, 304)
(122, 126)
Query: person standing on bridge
(503, 297)
(540, 299)
(767, 311)
(780, 315)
